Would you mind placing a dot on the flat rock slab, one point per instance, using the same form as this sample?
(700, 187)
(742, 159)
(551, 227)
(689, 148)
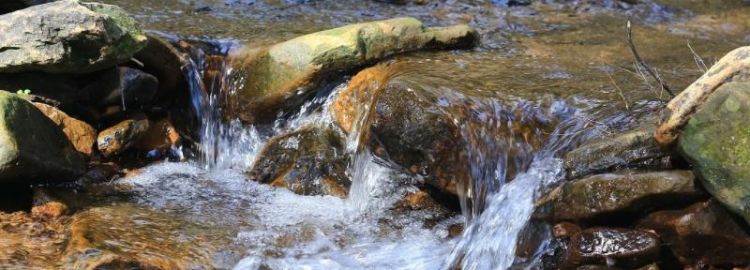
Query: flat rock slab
(621, 193)
(67, 37)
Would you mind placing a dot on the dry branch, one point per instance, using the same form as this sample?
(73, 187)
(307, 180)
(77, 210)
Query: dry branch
(684, 105)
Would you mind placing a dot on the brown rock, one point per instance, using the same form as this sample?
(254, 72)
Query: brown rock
(81, 134)
(704, 234)
(608, 246)
(126, 237)
(604, 195)
(416, 201)
(120, 137)
(160, 135)
(565, 230)
(309, 161)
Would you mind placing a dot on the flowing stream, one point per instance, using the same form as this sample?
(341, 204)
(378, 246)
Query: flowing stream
(546, 78)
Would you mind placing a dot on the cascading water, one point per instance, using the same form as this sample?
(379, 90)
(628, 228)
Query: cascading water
(511, 147)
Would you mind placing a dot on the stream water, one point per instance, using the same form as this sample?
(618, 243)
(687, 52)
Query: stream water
(561, 72)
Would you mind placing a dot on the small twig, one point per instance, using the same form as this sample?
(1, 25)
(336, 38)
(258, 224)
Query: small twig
(619, 91)
(698, 60)
(641, 63)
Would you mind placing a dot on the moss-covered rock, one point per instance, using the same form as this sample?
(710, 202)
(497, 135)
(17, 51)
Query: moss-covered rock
(716, 141)
(67, 37)
(32, 147)
(285, 73)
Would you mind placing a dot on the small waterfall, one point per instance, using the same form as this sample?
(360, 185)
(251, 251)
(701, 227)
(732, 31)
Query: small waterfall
(490, 240)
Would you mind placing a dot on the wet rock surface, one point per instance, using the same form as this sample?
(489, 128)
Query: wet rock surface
(702, 235)
(605, 195)
(34, 149)
(67, 37)
(635, 148)
(402, 127)
(309, 161)
(616, 247)
(97, 243)
(285, 73)
(716, 142)
(120, 137)
(79, 133)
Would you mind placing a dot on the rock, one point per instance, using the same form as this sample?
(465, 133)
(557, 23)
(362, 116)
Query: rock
(614, 247)
(128, 87)
(416, 201)
(67, 36)
(46, 206)
(160, 136)
(403, 128)
(126, 237)
(79, 133)
(716, 142)
(284, 74)
(704, 233)
(565, 230)
(309, 161)
(636, 148)
(162, 60)
(120, 137)
(34, 149)
(601, 196)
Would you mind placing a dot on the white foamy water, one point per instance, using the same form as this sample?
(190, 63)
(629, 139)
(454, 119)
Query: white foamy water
(268, 228)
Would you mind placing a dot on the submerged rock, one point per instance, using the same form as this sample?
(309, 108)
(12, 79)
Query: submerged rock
(79, 133)
(32, 148)
(284, 74)
(67, 36)
(622, 193)
(716, 141)
(309, 161)
(614, 247)
(635, 148)
(126, 237)
(120, 137)
(702, 234)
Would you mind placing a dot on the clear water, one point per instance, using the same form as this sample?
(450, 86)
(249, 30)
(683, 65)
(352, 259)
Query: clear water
(545, 78)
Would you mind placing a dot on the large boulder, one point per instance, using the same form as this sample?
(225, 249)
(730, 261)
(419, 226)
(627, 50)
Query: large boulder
(32, 147)
(67, 36)
(704, 234)
(81, 134)
(601, 196)
(286, 73)
(309, 161)
(716, 141)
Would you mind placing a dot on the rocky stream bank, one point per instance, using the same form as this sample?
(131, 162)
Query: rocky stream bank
(124, 148)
